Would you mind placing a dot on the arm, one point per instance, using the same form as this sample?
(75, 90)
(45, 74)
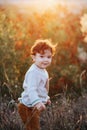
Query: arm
(47, 87)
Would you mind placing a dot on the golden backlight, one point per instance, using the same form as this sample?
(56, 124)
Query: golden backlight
(41, 6)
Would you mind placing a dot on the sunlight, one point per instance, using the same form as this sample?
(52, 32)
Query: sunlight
(44, 5)
(39, 5)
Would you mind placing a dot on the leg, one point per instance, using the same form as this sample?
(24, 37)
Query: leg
(29, 117)
(35, 120)
(24, 114)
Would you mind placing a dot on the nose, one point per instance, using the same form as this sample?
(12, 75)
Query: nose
(45, 59)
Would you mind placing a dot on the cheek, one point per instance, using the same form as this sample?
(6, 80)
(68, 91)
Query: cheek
(50, 60)
(38, 60)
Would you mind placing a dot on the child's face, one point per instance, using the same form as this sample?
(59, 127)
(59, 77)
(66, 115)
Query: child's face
(43, 60)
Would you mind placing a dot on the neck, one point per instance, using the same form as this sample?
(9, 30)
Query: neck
(38, 67)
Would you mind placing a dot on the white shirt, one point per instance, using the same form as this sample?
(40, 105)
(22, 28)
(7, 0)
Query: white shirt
(34, 86)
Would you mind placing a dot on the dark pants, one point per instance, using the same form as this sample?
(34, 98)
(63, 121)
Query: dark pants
(30, 117)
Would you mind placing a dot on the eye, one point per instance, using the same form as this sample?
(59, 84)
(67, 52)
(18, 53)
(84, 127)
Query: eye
(49, 57)
(41, 56)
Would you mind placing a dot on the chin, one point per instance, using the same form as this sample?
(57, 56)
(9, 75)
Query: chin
(44, 67)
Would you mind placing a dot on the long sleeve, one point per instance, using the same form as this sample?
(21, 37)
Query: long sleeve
(36, 87)
(47, 87)
(31, 84)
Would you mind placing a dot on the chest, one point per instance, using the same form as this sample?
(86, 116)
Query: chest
(43, 77)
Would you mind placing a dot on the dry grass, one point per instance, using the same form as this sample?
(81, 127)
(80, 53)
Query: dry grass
(61, 115)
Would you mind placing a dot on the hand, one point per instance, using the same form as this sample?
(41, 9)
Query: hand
(48, 102)
(40, 106)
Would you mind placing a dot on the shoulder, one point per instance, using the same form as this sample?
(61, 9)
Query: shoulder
(46, 72)
(32, 72)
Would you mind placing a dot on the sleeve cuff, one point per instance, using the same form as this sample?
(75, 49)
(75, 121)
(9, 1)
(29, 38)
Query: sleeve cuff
(35, 102)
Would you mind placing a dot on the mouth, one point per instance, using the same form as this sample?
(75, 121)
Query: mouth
(45, 64)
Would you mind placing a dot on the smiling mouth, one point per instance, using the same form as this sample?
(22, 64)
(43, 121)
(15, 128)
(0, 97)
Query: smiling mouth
(45, 64)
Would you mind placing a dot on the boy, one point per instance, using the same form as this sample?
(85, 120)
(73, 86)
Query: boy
(36, 85)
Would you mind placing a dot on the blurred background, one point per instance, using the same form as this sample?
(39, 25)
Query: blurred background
(65, 24)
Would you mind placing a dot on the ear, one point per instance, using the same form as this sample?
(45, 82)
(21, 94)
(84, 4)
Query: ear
(33, 57)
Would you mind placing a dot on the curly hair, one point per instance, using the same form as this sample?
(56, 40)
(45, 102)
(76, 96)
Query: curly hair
(41, 45)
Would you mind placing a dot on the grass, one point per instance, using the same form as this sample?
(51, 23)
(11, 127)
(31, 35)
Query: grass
(61, 115)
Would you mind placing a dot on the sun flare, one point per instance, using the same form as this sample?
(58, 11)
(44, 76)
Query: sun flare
(44, 5)
(38, 5)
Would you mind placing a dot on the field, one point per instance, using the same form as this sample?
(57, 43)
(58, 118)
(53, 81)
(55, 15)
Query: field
(20, 27)
(62, 114)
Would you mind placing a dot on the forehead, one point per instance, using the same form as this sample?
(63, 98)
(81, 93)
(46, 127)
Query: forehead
(46, 52)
